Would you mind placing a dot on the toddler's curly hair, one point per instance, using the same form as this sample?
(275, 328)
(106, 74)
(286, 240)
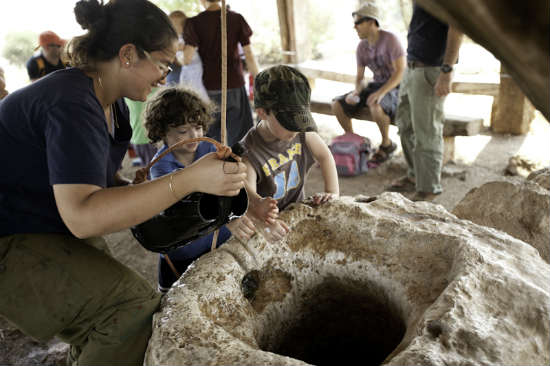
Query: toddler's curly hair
(173, 107)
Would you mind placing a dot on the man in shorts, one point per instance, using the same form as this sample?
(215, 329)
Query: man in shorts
(382, 53)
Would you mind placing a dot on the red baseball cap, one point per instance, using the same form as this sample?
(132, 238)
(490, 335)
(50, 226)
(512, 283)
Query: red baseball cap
(49, 37)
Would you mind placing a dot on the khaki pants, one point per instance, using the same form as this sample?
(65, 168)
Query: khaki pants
(55, 284)
(420, 120)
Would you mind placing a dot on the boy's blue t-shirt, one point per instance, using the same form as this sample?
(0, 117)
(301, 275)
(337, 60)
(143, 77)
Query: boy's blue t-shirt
(167, 165)
(53, 131)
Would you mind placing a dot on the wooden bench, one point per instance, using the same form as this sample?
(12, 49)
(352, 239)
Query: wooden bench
(454, 125)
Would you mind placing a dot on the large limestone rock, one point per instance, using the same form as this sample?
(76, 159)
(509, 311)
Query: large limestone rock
(541, 177)
(521, 209)
(384, 281)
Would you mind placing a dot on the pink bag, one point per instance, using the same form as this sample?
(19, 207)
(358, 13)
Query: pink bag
(351, 153)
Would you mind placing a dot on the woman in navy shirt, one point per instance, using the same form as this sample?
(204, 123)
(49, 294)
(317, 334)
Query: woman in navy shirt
(62, 140)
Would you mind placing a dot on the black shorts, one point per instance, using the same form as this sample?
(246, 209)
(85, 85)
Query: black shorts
(388, 103)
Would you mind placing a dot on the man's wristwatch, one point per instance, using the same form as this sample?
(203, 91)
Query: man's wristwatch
(446, 68)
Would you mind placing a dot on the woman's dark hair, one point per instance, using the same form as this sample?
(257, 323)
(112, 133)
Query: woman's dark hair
(114, 24)
(173, 107)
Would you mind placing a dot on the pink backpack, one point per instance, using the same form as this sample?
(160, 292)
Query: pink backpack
(351, 153)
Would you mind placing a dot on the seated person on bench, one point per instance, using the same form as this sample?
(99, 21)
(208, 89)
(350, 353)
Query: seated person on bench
(382, 52)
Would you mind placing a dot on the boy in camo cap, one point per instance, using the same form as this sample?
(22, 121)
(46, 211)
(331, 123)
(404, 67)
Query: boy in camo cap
(284, 145)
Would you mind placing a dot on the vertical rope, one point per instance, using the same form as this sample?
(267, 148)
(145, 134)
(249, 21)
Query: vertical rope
(223, 133)
(224, 74)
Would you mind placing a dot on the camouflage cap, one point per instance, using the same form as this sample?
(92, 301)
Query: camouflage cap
(286, 93)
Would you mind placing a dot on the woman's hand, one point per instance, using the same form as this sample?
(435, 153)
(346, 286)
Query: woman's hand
(212, 175)
(242, 228)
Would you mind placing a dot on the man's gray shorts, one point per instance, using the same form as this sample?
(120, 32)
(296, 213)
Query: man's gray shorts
(388, 103)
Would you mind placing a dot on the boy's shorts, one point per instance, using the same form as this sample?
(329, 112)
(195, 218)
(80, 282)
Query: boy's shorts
(388, 103)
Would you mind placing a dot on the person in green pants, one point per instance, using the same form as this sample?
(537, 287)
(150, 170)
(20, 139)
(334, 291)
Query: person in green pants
(432, 51)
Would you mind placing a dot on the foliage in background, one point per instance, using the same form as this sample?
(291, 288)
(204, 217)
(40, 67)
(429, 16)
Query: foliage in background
(19, 47)
(265, 24)
(321, 25)
(319, 16)
(189, 7)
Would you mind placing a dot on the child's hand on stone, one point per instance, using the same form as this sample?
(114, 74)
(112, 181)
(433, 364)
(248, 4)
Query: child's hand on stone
(276, 231)
(265, 210)
(242, 228)
(322, 197)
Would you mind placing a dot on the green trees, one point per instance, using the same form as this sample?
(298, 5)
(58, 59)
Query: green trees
(19, 47)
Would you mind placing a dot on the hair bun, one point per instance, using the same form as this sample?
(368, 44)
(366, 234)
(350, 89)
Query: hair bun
(88, 13)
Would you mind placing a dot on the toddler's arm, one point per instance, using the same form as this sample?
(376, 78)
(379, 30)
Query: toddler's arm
(325, 159)
(263, 209)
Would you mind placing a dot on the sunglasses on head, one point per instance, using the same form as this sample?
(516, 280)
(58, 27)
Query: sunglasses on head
(361, 20)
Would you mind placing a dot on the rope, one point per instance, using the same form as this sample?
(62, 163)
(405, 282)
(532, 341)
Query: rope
(223, 128)
(224, 74)
(172, 266)
(222, 152)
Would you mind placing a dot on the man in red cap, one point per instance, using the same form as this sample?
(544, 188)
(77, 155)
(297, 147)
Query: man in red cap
(49, 59)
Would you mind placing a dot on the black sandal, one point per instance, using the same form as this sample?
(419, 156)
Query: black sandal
(383, 153)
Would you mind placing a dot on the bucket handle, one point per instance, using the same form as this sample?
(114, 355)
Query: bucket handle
(222, 153)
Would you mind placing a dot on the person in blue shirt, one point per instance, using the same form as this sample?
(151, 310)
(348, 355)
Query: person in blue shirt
(175, 114)
(62, 140)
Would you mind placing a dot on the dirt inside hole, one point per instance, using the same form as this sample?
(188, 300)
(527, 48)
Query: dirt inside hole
(340, 323)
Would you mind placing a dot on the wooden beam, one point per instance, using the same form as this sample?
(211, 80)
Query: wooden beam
(285, 10)
(475, 88)
(512, 112)
(457, 87)
(327, 75)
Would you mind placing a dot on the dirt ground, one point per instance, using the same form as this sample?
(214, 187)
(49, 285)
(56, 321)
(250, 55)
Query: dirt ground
(478, 159)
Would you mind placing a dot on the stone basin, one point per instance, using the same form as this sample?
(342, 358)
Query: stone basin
(381, 281)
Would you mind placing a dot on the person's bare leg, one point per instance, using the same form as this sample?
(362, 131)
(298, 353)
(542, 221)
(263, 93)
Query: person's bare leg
(383, 122)
(341, 116)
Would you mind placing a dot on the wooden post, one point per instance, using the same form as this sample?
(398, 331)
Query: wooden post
(285, 9)
(512, 112)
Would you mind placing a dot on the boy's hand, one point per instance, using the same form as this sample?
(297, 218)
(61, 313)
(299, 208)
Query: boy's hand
(322, 197)
(242, 228)
(265, 210)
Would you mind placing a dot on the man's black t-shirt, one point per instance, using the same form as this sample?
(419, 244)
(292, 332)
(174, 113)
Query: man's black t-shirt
(427, 38)
(54, 132)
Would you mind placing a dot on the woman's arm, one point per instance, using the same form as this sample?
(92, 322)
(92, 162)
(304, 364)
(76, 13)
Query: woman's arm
(89, 210)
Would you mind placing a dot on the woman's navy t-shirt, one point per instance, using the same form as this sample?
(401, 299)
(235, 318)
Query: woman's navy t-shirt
(54, 132)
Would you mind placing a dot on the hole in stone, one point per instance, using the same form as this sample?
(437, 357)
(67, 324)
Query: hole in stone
(338, 323)
(365, 199)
